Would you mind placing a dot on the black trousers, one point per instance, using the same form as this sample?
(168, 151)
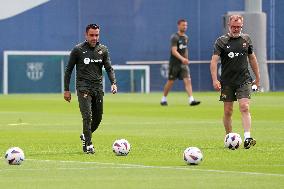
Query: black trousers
(91, 107)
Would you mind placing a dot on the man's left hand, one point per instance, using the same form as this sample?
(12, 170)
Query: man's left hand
(113, 88)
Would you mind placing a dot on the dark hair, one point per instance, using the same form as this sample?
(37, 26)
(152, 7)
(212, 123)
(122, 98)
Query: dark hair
(92, 26)
(181, 20)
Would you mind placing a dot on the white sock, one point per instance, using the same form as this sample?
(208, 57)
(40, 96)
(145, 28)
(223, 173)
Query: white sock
(190, 99)
(247, 135)
(164, 99)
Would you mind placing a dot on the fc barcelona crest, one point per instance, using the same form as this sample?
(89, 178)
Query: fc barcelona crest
(35, 70)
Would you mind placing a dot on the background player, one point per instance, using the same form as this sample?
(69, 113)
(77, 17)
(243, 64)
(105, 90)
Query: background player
(178, 66)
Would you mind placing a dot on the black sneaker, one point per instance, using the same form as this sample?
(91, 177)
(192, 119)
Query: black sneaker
(82, 137)
(194, 103)
(90, 149)
(249, 142)
(164, 103)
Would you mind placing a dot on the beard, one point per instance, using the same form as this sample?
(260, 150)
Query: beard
(92, 43)
(235, 35)
(183, 30)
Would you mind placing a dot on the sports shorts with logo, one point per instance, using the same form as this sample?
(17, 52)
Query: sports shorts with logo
(230, 93)
(178, 72)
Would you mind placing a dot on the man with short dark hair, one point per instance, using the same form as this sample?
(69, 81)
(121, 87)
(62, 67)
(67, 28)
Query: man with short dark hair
(235, 83)
(178, 66)
(89, 57)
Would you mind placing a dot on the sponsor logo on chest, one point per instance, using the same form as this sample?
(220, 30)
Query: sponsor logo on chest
(232, 54)
(181, 45)
(235, 54)
(89, 60)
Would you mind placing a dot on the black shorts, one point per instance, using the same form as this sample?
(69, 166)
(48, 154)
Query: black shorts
(232, 93)
(178, 72)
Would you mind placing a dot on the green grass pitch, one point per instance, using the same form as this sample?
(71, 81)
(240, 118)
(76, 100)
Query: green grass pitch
(47, 128)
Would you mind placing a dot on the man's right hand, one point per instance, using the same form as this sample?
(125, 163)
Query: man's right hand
(217, 85)
(67, 96)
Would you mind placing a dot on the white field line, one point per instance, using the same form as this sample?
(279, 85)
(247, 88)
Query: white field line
(138, 166)
(125, 123)
(16, 124)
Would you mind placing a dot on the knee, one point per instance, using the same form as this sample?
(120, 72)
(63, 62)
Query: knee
(97, 120)
(170, 82)
(228, 112)
(86, 116)
(244, 108)
(189, 78)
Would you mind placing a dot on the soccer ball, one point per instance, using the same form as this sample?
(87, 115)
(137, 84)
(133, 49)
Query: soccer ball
(192, 156)
(233, 141)
(121, 147)
(14, 156)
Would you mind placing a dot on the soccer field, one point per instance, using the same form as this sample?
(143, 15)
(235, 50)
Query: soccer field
(47, 129)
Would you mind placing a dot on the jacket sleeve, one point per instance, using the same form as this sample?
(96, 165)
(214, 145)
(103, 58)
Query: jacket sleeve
(108, 67)
(69, 68)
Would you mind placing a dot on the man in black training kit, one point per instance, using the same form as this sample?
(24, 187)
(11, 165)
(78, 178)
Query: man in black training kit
(89, 57)
(178, 66)
(235, 49)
